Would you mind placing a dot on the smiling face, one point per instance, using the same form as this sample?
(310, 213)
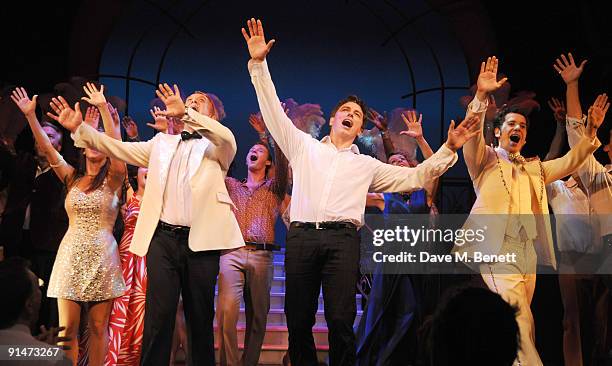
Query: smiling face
(201, 103)
(513, 132)
(258, 158)
(348, 120)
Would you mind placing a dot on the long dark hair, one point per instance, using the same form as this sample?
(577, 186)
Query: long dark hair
(80, 171)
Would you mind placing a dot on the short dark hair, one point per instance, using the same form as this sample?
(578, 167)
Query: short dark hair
(355, 99)
(15, 287)
(504, 110)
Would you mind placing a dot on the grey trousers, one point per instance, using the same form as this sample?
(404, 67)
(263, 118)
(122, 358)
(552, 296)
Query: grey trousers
(243, 273)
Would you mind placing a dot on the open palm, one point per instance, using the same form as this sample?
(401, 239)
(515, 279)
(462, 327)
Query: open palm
(94, 96)
(458, 136)
(566, 67)
(20, 97)
(256, 41)
(415, 128)
(70, 118)
(487, 79)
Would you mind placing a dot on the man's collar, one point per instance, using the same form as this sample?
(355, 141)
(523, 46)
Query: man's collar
(353, 148)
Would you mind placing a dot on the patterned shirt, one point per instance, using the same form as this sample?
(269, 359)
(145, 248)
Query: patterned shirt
(256, 210)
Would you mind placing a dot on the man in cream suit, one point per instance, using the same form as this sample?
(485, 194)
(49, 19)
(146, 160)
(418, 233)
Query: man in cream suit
(511, 202)
(185, 219)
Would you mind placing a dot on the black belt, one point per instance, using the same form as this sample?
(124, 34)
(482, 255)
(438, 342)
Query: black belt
(261, 246)
(177, 229)
(325, 225)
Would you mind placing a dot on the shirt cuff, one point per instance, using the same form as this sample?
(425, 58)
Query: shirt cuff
(76, 135)
(476, 106)
(257, 68)
(576, 122)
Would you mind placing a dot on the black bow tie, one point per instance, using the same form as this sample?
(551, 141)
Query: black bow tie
(186, 135)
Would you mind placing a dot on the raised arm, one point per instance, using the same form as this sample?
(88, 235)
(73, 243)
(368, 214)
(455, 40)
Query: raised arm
(474, 150)
(382, 123)
(389, 178)
(220, 136)
(415, 130)
(570, 73)
(110, 120)
(558, 140)
(135, 153)
(580, 157)
(28, 108)
(288, 137)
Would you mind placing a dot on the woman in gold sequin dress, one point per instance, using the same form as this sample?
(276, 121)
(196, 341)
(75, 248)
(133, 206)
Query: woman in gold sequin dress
(87, 269)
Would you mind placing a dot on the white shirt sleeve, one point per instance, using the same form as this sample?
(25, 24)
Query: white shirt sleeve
(288, 137)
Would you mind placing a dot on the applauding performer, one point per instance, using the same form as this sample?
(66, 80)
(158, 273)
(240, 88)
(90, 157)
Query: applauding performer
(511, 190)
(331, 180)
(185, 219)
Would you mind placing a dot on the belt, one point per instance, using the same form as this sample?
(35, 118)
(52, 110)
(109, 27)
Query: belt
(261, 246)
(177, 229)
(325, 225)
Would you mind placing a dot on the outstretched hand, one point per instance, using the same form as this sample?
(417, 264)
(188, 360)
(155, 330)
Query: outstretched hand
(487, 79)
(92, 117)
(131, 128)
(597, 114)
(160, 121)
(381, 122)
(70, 118)
(458, 136)
(94, 96)
(566, 67)
(558, 109)
(27, 106)
(172, 99)
(415, 128)
(257, 123)
(256, 41)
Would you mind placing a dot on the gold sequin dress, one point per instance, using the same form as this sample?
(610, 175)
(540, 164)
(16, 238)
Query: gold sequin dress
(87, 266)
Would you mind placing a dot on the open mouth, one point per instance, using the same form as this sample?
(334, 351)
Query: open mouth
(515, 138)
(253, 157)
(347, 123)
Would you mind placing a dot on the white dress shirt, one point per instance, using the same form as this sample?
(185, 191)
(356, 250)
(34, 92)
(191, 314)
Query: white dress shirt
(575, 226)
(176, 206)
(331, 184)
(595, 177)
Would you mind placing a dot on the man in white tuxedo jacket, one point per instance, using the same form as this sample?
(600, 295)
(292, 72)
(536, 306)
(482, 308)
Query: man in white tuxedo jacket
(185, 220)
(511, 202)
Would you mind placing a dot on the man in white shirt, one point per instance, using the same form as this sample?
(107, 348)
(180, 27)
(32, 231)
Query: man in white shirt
(511, 198)
(330, 183)
(185, 219)
(584, 230)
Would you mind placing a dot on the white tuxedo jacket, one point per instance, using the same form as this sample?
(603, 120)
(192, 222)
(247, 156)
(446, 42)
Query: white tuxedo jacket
(214, 226)
(492, 206)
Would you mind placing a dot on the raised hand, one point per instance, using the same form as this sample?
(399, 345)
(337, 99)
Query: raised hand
(27, 106)
(94, 96)
(487, 79)
(131, 128)
(70, 118)
(256, 41)
(566, 67)
(597, 114)
(92, 117)
(161, 122)
(114, 114)
(558, 109)
(257, 123)
(458, 136)
(415, 128)
(172, 99)
(378, 120)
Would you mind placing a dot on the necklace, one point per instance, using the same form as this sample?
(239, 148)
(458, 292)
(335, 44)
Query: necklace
(501, 174)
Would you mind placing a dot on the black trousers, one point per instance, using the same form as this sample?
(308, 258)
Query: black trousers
(327, 258)
(42, 265)
(171, 268)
